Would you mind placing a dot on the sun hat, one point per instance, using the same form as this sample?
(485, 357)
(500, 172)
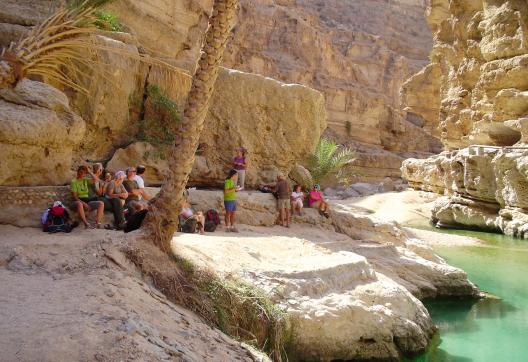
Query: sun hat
(57, 204)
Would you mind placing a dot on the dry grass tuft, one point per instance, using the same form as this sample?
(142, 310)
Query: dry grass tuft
(237, 308)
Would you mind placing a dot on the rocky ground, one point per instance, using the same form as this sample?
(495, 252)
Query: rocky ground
(74, 297)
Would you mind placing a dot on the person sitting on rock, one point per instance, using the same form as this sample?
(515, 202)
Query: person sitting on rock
(80, 189)
(297, 198)
(240, 164)
(317, 201)
(283, 200)
(97, 185)
(133, 201)
(115, 195)
(230, 190)
(140, 170)
(187, 213)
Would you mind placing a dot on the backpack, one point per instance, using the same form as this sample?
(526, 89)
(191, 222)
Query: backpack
(135, 220)
(56, 220)
(212, 220)
(188, 226)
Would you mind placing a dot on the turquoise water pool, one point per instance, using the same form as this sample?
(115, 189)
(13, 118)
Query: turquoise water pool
(491, 330)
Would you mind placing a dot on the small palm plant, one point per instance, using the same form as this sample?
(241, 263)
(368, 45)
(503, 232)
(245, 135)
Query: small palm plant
(331, 159)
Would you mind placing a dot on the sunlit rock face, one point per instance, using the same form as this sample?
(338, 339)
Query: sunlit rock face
(479, 72)
(478, 80)
(358, 53)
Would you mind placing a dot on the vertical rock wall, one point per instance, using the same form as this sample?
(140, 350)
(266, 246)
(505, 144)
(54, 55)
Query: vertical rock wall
(358, 54)
(477, 86)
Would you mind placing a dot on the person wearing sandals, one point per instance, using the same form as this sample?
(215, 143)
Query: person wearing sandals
(317, 201)
(283, 191)
(230, 190)
(115, 195)
(240, 164)
(80, 189)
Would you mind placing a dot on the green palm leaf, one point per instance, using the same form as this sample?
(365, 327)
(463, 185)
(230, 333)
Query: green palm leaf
(330, 159)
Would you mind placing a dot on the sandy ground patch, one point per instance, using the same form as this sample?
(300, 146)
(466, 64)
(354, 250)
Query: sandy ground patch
(64, 298)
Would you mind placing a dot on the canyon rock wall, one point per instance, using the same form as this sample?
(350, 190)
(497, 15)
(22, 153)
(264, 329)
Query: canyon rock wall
(479, 81)
(358, 54)
(278, 123)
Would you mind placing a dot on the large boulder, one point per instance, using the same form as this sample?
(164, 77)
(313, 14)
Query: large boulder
(279, 125)
(38, 135)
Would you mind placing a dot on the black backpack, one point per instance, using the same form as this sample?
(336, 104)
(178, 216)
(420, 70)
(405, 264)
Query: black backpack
(134, 221)
(212, 220)
(188, 226)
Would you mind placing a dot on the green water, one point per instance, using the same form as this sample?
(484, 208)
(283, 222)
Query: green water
(489, 329)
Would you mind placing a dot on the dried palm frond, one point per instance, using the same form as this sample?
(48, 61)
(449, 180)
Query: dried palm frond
(62, 49)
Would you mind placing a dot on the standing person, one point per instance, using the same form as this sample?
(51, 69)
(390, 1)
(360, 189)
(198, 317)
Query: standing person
(283, 195)
(133, 201)
(115, 195)
(317, 201)
(140, 170)
(297, 198)
(80, 189)
(240, 164)
(230, 190)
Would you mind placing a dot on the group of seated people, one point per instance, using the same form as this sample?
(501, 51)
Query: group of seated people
(95, 190)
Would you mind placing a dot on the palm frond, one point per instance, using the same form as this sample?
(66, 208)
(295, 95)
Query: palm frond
(329, 159)
(63, 49)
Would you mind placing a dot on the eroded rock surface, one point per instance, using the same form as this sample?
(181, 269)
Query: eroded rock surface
(477, 86)
(358, 65)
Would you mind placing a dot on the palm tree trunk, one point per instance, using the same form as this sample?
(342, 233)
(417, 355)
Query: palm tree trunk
(162, 221)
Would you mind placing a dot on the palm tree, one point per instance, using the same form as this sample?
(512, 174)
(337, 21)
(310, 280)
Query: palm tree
(162, 221)
(330, 159)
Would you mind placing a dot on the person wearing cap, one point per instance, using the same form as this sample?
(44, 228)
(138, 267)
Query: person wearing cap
(317, 201)
(240, 164)
(140, 170)
(115, 195)
(133, 201)
(283, 190)
(80, 189)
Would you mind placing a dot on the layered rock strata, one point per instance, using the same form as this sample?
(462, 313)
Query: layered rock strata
(485, 188)
(358, 65)
(477, 89)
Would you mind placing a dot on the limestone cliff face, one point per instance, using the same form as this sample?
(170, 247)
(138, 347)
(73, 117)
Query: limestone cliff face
(279, 124)
(479, 73)
(477, 85)
(358, 53)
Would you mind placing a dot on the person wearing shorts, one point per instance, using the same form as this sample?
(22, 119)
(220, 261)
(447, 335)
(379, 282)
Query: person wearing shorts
(230, 190)
(80, 189)
(297, 198)
(283, 194)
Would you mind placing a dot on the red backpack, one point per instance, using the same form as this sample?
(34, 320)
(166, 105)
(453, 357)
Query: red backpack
(212, 220)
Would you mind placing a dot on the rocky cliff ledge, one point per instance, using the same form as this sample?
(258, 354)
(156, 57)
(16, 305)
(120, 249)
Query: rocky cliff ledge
(477, 86)
(350, 285)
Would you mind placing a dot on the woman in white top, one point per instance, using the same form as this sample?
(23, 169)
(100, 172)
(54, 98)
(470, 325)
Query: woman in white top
(188, 213)
(297, 198)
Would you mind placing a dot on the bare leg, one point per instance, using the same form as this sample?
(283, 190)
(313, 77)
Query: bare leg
(80, 211)
(288, 217)
(232, 219)
(201, 219)
(100, 212)
(227, 219)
